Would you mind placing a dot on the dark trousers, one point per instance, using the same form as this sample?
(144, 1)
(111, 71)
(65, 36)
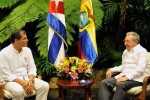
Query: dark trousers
(107, 85)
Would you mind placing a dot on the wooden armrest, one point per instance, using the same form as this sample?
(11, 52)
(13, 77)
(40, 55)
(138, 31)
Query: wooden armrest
(1, 91)
(144, 87)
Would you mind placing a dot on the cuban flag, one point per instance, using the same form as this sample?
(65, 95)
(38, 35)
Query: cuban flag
(87, 46)
(57, 31)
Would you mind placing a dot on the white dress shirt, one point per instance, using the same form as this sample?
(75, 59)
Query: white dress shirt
(133, 64)
(16, 65)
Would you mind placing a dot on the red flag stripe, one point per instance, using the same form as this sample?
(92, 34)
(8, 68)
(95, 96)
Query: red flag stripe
(56, 9)
(80, 53)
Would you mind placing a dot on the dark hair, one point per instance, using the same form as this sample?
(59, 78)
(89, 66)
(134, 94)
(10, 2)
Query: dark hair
(16, 35)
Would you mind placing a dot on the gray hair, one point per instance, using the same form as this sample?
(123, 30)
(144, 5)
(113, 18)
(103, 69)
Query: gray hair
(135, 37)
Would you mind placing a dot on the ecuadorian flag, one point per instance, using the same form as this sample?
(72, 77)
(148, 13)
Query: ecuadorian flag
(57, 31)
(87, 47)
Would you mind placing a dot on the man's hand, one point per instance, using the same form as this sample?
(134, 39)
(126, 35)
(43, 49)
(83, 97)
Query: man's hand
(108, 74)
(29, 88)
(121, 79)
(27, 85)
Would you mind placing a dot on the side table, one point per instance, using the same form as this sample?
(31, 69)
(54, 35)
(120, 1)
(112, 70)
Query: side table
(74, 84)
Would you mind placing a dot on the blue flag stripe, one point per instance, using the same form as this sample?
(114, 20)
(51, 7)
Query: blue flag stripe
(52, 54)
(57, 25)
(56, 42)
(87, 47)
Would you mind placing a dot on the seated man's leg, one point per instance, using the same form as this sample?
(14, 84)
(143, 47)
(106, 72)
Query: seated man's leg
(16, 90)
(122, 87)
(42, 89)
(106, 89)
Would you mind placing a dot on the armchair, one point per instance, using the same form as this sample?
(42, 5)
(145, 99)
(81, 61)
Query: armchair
(4, 94)
(140, 92)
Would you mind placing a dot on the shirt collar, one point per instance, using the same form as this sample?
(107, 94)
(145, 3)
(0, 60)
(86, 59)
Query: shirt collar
(14, 50)
(134, 48)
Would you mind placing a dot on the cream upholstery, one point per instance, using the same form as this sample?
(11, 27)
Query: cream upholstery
(136, 90)
(8, 95)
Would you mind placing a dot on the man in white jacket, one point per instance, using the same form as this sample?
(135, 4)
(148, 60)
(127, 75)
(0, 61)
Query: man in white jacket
(18, 70)
(132, 70)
